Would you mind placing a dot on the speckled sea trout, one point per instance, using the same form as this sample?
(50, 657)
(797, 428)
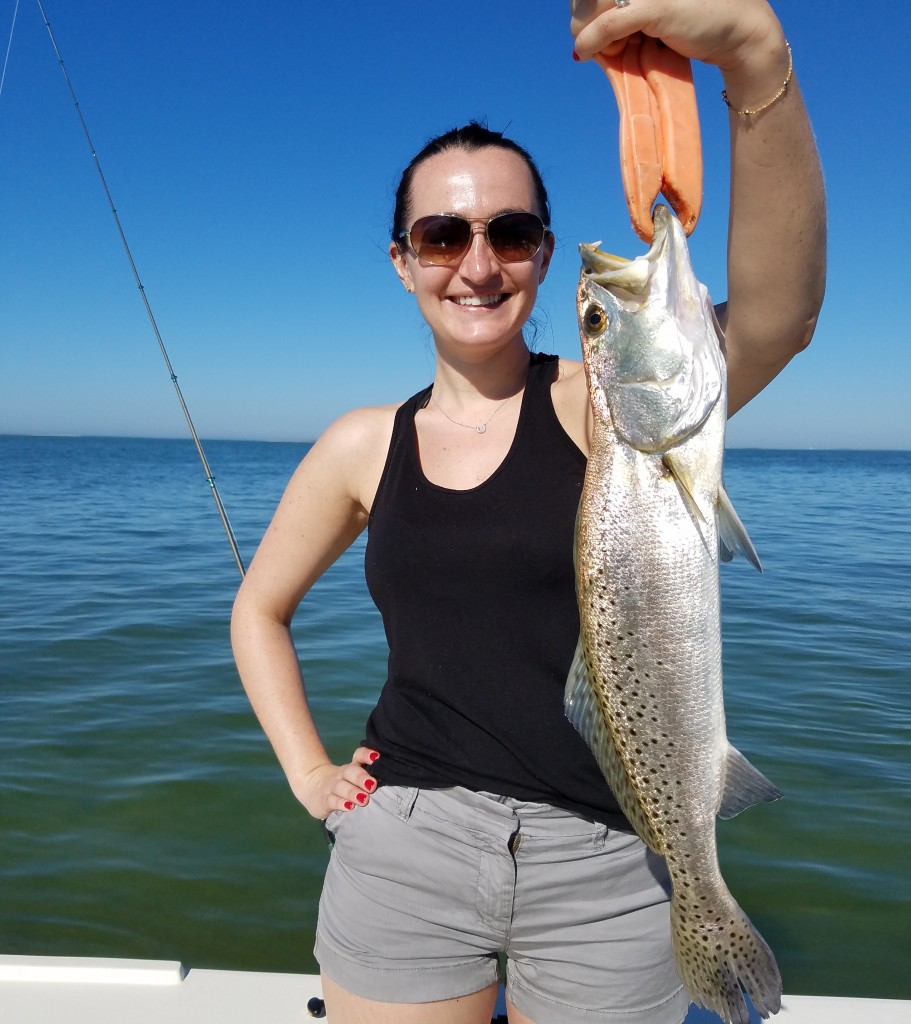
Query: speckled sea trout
(654, 521)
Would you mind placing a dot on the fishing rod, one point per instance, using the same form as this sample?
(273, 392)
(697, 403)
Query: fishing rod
(223, 515)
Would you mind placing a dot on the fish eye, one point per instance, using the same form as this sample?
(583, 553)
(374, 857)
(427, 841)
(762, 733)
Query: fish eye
(594, 321)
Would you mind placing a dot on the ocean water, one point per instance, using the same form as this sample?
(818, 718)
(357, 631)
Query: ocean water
(142, 813)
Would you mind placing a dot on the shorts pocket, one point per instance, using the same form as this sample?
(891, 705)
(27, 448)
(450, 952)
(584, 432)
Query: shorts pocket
(330, 824)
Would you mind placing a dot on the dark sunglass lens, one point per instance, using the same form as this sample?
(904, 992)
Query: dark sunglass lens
(440, 239)
(515, 237)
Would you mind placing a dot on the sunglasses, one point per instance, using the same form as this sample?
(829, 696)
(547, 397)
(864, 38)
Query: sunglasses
(444, 239)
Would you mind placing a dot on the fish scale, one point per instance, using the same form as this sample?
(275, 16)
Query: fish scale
(645, 689)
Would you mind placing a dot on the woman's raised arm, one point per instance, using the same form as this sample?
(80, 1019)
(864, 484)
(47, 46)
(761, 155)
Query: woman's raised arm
(777, 228)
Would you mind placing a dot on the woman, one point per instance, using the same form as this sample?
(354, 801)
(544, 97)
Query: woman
(473, 820)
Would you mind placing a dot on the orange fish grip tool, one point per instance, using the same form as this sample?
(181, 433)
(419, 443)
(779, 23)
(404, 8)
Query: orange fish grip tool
(660, 146)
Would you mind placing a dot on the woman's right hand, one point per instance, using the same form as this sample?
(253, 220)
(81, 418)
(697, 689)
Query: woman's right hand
(333, 787)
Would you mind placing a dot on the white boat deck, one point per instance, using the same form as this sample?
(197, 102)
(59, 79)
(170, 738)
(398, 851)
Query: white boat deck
(86, 990)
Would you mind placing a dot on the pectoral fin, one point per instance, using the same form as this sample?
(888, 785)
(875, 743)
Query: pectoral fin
(678, 469)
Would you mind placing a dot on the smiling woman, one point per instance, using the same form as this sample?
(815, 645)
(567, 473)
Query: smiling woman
(473, 821)
(478, 238)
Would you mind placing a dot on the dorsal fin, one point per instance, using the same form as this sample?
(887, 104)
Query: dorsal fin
(744, 785)
(733, 538)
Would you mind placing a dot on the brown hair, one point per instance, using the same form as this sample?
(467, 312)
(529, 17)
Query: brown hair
(471, 137)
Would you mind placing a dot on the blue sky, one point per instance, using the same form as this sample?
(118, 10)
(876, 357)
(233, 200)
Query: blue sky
(252, 151)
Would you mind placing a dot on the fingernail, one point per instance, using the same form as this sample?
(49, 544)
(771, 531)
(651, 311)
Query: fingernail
(369, 784)
(373, 755)
(361, 798)
(349, 806)
(576, 56)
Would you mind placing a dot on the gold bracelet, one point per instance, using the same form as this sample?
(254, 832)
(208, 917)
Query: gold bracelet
(774, 99)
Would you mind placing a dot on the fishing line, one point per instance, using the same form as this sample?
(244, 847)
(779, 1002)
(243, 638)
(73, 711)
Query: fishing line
(183, 405)
(9, 46)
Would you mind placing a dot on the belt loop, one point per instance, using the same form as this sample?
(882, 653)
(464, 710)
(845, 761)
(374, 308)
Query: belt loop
(407, 798)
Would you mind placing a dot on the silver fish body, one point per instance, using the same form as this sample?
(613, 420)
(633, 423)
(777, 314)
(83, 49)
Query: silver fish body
(645, 689)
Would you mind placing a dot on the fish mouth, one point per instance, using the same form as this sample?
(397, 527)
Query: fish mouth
(629, 275)
(479, 301)
(616, 272)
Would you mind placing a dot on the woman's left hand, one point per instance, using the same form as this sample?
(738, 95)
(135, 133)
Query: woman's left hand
(729, 33)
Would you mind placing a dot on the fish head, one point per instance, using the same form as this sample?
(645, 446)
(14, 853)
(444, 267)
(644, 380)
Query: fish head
(650, 341)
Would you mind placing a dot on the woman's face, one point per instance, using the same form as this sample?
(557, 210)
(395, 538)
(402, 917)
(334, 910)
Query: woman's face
(474, 185)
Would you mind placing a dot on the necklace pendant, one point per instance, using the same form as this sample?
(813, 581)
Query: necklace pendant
(481, 428)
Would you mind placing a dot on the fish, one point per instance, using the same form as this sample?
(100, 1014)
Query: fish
(654, 521)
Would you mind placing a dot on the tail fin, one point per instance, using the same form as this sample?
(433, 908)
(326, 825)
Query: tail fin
(718, 955)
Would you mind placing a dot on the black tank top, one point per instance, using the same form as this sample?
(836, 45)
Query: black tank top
(477, 593)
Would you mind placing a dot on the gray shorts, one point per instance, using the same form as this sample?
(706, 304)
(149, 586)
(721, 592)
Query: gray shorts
(426, 887)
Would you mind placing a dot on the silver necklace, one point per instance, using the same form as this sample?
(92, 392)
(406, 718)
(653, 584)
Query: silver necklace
(479, 428)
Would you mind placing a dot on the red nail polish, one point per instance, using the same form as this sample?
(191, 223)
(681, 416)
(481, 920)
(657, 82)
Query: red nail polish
(373, 755)
(575, 55)
(368, 785)
(362, 798)
(349, 806)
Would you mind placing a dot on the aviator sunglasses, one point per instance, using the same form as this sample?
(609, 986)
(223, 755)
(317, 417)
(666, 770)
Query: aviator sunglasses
(444, 238)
